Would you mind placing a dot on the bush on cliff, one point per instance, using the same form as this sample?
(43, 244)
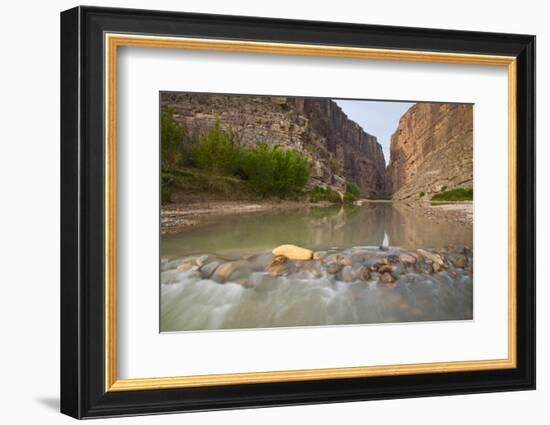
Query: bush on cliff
(455, 195)
(171, 141)
(271, 170)
(266, 170)
(216, 151)
(353, 189)
(166, 188)
(320, 194)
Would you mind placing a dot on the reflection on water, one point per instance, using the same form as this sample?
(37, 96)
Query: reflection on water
(198, 294)
(372, 224)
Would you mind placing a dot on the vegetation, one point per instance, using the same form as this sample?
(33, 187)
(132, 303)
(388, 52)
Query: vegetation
(460, 194)
(335, 167)
(171, 141)
(421, 194)
(273, 171)
(350, 198)
(216, 152)
(172, 153)
(192, 180)
(385, 197)
(219, 165)
(214, 162)
(320, 194)
(353, 189)
(166, 188)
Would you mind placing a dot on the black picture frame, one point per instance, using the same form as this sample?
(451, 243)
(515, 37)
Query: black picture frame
(83, 392)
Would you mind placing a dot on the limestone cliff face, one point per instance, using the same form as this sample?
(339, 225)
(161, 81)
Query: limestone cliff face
(431, 151)
(338, 148)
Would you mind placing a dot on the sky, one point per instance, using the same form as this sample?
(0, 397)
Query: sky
(378, 118)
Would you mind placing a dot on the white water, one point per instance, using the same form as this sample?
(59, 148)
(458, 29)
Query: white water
(192, 303)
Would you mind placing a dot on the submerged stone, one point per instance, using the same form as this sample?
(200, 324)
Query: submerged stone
(364, 273)
(183, 267)
(434, 258)
(208, 269)
(347, 274)
(387, 278)
(407, 258)
(459, 260)
(333, 268)
(223, 272)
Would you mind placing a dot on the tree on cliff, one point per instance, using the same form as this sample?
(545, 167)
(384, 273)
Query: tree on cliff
(171, 141)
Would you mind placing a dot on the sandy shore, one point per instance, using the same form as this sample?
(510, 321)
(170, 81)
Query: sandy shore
(178, 216)
(458, 212)
(197, 210)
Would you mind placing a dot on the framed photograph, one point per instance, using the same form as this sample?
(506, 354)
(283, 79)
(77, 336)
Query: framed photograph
(261, 212)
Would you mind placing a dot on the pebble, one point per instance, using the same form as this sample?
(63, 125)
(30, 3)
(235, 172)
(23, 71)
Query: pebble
(459, 261)
(387, 278)
(434, 258)
(183, 267)
(333, 268)
(364, 273)
(223, 272)
(407, 258)
(348, 274)
(208, 269)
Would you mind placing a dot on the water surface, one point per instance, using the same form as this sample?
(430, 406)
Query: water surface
(316, 228)
(192, 302)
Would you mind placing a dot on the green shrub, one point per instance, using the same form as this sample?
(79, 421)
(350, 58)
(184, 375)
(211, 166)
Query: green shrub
(459, 194)
(320, 194)
(350, 197)
(273, 171)
(353, 189)
(193, 180)
(421, 194)
(171, 141)
(335, 166)
(216, 151)
(166, 188)
(265, 170)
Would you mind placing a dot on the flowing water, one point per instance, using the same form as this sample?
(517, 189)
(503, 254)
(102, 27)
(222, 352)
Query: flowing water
(198, 294)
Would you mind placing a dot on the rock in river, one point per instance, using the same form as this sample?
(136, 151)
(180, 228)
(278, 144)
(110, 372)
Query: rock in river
(434, 258)
(184, 267)
(293, 252)
(208, 269)
(347, 274)
(387, 278)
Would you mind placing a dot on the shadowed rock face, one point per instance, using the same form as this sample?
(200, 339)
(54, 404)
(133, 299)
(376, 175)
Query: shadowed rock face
(337, 147)
(431, 151)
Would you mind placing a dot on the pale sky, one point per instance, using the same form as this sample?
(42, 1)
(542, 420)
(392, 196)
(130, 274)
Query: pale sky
(378, 118)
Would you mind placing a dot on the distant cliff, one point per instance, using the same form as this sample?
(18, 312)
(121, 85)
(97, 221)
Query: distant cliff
(431, 151)
(338, 148)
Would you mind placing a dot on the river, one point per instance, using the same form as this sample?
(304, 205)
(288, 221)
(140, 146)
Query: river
(251, 297)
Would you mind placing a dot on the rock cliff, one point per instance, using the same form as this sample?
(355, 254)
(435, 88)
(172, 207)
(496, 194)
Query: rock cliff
(338, 148)
(431, 151)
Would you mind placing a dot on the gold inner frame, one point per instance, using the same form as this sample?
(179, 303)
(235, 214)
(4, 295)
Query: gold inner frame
(113, 41)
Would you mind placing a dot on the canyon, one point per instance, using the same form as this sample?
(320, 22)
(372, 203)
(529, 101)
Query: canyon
(338, 149)
(430, 151)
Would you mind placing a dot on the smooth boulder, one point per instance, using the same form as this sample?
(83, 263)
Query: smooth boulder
(293, 252)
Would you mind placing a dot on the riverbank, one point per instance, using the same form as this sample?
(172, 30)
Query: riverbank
(461, 213)
(458, 212)
(196, 210)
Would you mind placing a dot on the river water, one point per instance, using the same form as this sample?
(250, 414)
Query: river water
(252, 297)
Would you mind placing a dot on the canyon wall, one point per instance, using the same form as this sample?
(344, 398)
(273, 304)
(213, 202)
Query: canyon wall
(431, 151)
(338, 148)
